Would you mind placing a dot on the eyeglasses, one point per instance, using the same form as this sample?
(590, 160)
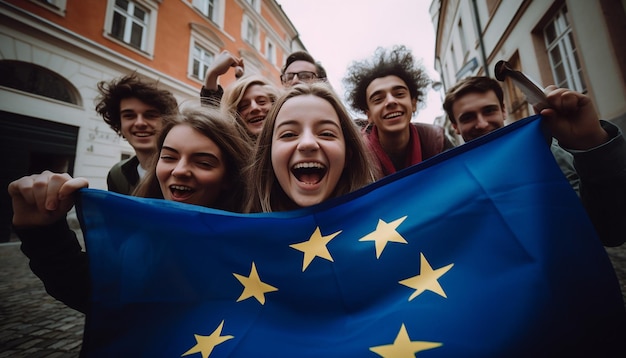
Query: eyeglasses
(304, 76)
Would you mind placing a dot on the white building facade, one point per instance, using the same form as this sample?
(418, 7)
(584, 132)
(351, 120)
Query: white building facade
(575, 44)
(53, 53)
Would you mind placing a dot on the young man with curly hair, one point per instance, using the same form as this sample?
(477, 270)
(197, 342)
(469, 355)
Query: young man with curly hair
(388, 89)
(134, 109)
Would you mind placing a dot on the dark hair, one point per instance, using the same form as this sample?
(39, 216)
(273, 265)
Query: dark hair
(131, 86)
(399, 61)
(475, 84)
(304, 56)
(321, 72)
(221, 129)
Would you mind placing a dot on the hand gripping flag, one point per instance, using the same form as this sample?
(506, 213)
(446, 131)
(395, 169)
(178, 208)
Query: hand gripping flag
(483, 251)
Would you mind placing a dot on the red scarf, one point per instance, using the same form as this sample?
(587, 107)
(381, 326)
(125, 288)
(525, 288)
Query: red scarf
(414, 150)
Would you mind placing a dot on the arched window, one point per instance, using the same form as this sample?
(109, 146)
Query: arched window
(38, 80)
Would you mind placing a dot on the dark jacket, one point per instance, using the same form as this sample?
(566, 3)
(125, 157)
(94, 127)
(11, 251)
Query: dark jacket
(57, 258)
(211, 98)
(123, 176)
(602, 173)
(433, 139)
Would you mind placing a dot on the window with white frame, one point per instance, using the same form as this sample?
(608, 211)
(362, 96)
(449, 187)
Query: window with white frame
(130, 23)
(563, 53)
(270, 51)
(250, 32)
(201, 59)
(54, 5)
(255, 4)
(212, 9)
(37, 80)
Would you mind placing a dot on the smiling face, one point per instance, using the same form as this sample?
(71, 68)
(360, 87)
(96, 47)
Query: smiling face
(253, 108)
(296, 67)
(308, 149)
(140, 124)
(389, 103)
(191, 167)
(476, 114)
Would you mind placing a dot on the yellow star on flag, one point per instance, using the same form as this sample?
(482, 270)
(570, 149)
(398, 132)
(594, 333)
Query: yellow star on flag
(427, 279)
(403, 346)
(384, 233)
(253, 286)
(205, 344)
(315, 247)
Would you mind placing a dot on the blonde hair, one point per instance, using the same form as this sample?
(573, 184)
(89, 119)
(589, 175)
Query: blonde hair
(234, 93)
(265, 193)
(222, 130)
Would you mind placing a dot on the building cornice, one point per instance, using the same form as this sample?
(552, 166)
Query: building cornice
(46, 28)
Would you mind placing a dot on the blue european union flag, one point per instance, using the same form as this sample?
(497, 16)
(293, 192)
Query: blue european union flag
(483, 251)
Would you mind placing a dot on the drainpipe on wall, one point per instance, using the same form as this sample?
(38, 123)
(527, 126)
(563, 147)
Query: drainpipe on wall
(480, 38)
(439, 69)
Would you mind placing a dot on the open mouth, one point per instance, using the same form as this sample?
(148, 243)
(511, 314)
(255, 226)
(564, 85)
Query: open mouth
(142, 134)
(309, 173)
(256, 119)
(393, 115)
(180, 191)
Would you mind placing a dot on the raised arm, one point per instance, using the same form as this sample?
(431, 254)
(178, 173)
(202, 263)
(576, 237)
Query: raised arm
(599, 151)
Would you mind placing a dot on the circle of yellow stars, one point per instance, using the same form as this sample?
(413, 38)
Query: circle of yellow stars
(316, 246)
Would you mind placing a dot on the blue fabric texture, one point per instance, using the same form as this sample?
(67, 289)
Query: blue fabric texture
(482, 251)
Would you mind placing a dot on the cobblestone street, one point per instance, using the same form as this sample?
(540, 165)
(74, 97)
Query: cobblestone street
(32, 324)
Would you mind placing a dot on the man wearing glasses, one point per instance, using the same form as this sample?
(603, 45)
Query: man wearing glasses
(300, 67)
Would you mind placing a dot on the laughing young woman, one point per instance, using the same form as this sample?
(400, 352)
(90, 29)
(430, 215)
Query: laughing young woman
(201, 158)
(309, 151)
(200, 161)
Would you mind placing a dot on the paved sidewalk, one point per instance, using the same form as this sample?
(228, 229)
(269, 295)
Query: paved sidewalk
(32, 324)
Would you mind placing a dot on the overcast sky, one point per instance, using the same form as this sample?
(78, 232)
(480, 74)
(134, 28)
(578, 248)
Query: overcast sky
(337, 32)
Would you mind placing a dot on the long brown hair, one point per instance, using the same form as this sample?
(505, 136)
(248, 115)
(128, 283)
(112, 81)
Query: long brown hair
(265, 193)
(222, 130)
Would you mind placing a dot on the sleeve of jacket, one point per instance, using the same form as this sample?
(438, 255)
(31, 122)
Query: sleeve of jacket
(433, 139)
(57, 258)
(602, 172)
(565, 160)
(447, 144)
(111, 186)
(211, 98)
